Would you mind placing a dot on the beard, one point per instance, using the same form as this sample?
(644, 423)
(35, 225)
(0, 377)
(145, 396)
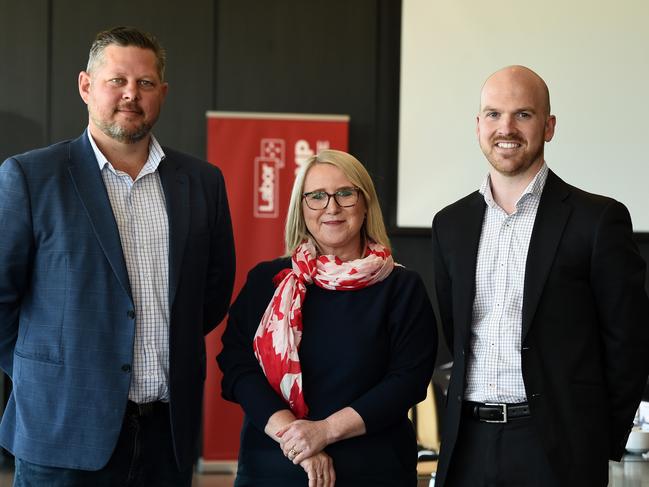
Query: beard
(515, 164)
(121, 134)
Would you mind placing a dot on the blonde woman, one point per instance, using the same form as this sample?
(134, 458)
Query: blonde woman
(327, 348)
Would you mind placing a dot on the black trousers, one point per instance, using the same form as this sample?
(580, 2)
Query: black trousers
(143, 457)
(499, 455)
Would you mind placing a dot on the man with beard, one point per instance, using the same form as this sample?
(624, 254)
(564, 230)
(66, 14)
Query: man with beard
(541, 296)
(116, 259)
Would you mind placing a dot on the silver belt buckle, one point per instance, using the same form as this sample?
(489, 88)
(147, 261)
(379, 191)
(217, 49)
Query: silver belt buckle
(504, 410)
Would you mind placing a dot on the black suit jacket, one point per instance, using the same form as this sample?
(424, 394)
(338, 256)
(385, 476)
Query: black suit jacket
(585, 329)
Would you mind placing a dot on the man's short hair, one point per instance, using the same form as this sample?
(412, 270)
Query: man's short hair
(124, 37)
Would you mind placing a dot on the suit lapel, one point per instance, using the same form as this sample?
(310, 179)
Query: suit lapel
(467, 257)
(87, 180)
(550, 222)
(176, 189)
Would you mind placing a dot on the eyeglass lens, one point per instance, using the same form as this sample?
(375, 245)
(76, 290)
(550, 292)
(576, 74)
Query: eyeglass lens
(318, 200)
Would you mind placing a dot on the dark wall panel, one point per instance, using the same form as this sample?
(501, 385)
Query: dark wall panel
(301, 56)
(23, 76)
(387, 100)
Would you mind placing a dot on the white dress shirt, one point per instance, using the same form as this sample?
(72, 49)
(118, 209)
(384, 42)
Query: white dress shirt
(141, 215)
(494, 365)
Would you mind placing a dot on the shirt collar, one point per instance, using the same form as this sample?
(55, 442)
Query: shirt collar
(535, 188)
(156, 154)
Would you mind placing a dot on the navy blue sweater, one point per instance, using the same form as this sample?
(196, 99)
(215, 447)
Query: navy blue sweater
(372, 349)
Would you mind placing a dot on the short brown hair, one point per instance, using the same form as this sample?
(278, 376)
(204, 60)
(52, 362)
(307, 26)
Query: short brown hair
(124, 37)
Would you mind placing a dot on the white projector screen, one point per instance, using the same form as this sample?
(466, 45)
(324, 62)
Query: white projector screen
(594, 56)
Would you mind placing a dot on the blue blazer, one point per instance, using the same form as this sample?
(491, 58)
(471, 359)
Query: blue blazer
(67, 319)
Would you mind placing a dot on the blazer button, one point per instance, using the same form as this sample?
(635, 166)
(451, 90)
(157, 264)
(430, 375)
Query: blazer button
(126, 367)
(459, 398)
(131, 314)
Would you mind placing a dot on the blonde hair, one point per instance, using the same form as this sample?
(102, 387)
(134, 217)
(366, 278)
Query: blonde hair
(373, 227)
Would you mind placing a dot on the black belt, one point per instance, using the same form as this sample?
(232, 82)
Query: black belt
(144, 408)
(494, 412)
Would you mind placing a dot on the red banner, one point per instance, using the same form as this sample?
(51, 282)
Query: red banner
(259, 155)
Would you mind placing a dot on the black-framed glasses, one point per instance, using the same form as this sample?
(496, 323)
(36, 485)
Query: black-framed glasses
(319, 200)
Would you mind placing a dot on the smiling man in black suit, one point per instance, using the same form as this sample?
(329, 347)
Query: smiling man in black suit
(541, 295)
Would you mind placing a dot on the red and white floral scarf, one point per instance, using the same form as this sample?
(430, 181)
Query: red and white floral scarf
(277, 340)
